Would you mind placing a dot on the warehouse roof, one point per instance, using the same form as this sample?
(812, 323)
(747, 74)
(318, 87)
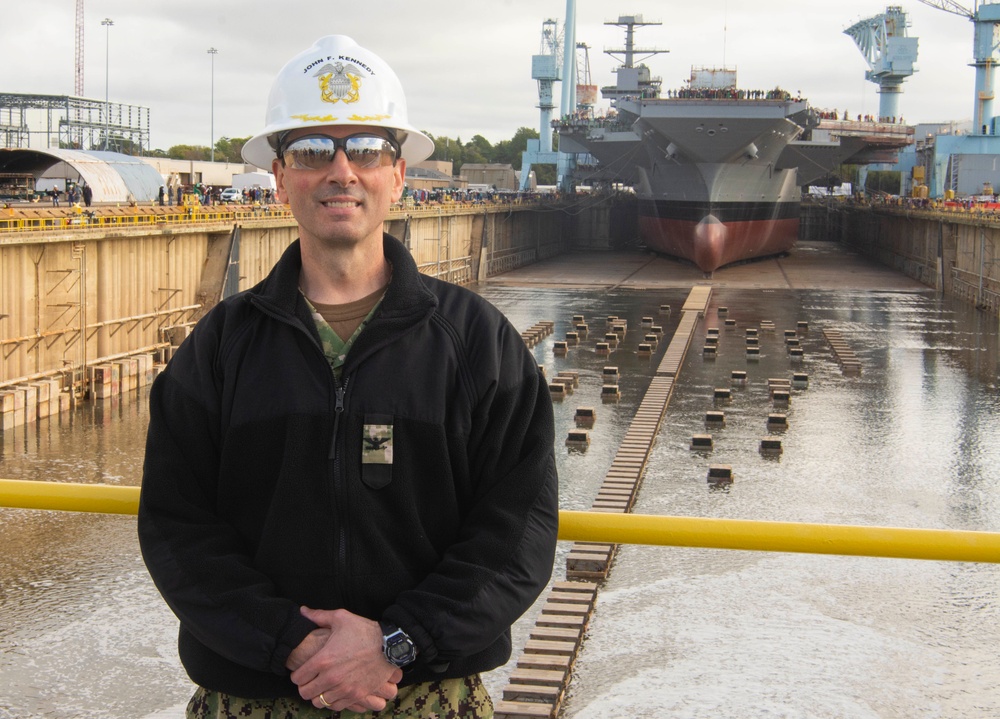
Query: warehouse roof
(113, 176)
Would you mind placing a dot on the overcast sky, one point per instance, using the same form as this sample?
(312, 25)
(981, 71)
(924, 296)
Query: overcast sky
(465, 64)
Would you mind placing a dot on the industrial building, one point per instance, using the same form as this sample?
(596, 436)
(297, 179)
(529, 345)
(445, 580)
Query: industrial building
(944, 162)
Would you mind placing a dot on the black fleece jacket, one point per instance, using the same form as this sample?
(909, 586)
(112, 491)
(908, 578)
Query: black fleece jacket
(255, 499)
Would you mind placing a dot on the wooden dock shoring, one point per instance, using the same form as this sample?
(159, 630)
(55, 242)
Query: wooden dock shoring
(541, 676)
(698, 299)
(673, 357)
(538, 684)
(848, 360)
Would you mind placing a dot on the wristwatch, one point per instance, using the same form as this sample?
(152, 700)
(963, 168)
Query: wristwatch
(397, 646)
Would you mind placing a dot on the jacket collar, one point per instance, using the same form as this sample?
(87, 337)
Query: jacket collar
(407, 300)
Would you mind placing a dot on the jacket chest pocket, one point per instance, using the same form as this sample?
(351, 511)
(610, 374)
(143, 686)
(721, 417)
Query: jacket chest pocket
(376, 450)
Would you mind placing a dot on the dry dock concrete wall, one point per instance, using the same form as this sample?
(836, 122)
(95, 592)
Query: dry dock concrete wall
(74, 297)
(954, 252)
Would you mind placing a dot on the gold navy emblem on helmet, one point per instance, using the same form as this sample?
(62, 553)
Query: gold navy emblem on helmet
(339, 82)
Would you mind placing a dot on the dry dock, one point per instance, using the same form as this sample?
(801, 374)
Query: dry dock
(631, 631)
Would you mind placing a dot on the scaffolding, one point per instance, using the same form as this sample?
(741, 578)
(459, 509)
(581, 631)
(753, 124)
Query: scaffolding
(74, 123)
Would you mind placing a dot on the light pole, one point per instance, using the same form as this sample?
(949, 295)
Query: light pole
(213, 52)
(107, 23)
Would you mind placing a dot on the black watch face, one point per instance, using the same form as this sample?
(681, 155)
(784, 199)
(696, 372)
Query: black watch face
(400, 650)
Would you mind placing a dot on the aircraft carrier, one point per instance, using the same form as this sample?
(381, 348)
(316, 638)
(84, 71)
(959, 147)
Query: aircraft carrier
(718, 170)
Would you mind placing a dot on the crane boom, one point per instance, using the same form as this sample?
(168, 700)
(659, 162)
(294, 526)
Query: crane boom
(950, 6)
(890, 55)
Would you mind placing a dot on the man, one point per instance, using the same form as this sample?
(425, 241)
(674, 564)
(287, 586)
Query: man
(349, 492)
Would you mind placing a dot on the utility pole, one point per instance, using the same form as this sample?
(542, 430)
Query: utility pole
(107, 23)
(213, 52)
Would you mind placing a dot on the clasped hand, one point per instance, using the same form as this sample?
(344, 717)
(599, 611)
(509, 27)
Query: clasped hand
(342, 660)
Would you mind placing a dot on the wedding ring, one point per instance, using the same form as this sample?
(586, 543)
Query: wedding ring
(325, 702)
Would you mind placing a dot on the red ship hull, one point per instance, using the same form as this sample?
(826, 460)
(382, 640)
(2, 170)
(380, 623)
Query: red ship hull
(730, 234)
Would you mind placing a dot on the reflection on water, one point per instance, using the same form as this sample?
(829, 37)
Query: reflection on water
(83, 633)
(914, 441)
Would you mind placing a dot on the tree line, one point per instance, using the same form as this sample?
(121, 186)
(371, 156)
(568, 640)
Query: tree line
(478, 150)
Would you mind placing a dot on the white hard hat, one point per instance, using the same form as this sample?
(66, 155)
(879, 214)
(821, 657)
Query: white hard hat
(336, 82)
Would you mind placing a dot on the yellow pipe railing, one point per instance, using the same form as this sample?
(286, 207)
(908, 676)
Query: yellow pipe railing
(934, 544)
(69, 497)
(939, 544)
(63, 219)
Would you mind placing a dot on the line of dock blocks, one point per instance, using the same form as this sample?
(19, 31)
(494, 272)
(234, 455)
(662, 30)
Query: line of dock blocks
(563, 384)
(849, 362)
(29, 402)
(566, 381)
(792, 341)
(25, 403)
(537, 332)
(779, 390)
(112, 379)
(615, 330)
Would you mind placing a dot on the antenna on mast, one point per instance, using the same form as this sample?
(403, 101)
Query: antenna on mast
(725, 31)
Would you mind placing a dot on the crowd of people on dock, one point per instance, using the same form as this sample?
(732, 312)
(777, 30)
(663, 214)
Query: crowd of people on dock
(846, 117)
(440, 196)
(212, 195)
(982, 205)
(74, 194)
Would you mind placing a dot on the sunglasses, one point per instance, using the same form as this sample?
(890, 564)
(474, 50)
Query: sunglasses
(316, 152)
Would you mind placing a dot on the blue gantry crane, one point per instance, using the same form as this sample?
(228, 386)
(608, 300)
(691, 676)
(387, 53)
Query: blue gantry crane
(546, 69)
(553, 63)
(985, 18)
(890, 55)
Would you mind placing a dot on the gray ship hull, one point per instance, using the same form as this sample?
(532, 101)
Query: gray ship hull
(711, 192)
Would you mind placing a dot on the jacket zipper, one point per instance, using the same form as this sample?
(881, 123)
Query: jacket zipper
(340, 393)
(340, 389)
(339, 491)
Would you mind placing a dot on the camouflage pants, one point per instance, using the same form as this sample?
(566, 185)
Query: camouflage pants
(464, 698)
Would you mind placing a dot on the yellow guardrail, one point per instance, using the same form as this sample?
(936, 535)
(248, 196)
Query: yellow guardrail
(105, 218)
(69, 497)
(845, 539)
(854, 540)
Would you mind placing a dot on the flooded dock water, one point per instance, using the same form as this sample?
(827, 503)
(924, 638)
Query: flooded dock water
(913, 441)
